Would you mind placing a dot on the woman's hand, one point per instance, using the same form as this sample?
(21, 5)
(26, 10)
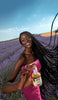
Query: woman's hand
(24, 75)
(30, 67)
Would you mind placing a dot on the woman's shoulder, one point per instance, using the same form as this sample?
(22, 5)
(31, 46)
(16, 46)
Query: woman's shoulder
(22, 58)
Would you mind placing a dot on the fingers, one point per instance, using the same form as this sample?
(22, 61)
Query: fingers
(31, 67)
(24, 76)
(28, 70)
(24, 73)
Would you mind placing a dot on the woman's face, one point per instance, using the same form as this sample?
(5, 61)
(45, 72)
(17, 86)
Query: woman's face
(26, 40)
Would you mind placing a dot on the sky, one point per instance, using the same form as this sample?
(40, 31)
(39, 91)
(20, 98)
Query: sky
(35, 16)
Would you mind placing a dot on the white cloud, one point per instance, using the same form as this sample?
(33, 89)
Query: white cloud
(11, 33)
(40, 27)
(13, 30)
(44, 25)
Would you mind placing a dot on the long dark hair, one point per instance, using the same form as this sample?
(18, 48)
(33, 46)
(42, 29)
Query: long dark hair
(48, 59)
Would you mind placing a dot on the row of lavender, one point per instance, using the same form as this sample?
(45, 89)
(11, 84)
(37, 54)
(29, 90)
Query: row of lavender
(9, 54)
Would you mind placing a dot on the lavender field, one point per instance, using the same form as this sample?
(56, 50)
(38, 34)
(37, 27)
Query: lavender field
(9, 54)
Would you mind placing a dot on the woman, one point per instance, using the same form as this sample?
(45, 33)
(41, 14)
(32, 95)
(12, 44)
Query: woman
(34, 52)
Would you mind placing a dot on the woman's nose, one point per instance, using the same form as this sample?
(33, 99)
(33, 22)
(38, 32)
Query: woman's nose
(26, 40)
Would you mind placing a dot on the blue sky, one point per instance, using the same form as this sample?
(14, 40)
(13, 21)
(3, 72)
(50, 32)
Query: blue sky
(34, 16)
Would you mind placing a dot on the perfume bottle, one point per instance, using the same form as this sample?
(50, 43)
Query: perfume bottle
(36, 76)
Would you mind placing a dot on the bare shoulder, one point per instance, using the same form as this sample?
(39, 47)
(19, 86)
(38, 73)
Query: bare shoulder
(21, 60)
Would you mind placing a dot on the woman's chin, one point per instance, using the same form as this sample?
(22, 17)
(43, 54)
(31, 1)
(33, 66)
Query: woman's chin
(28, 47)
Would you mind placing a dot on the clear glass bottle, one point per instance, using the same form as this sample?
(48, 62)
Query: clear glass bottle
(37, 80)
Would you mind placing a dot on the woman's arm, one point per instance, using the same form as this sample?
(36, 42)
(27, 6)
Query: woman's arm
(16, 70)
(11, 87)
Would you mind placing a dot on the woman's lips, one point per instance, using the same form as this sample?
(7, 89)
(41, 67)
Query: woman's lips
(28, 44)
